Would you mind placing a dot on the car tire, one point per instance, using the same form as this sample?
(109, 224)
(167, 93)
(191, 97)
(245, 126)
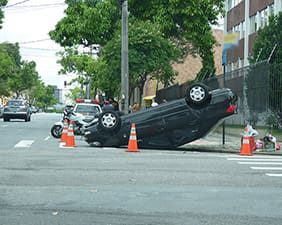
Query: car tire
(198, 94)
(109, 121)
(5, 119)
(56, 131)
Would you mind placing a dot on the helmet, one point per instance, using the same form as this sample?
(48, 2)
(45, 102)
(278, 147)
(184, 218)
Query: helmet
(69, 104)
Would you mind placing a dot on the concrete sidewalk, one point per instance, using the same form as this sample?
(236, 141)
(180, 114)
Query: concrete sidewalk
(213, 142)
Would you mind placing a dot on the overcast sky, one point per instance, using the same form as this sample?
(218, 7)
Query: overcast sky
(28, 23)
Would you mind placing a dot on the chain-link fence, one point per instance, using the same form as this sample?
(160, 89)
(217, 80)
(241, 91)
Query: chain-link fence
(259, 91)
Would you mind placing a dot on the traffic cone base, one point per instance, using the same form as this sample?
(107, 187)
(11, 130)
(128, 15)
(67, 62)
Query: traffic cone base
(132, 143)
(64, 132)
(246, 146)
(70, 142)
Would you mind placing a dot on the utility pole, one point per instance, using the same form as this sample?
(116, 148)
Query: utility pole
(124, 58)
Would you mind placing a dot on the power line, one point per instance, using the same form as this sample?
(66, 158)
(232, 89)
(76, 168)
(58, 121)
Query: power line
(34, 6)
(41, 49)
(15, 4)
(34, 41)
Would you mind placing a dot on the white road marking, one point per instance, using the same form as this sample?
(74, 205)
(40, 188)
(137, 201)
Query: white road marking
(47, 138)
(274, 174)
(265, 168)
(257, 159)
(260, 163)
(261, 160)
(24, 144)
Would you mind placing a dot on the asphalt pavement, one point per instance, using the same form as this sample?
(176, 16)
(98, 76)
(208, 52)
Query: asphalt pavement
(216, 142)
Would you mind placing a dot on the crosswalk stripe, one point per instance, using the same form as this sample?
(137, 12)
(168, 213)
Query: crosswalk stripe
(256, 159)
(24, 144)
(261, 160)
(265, 168)
(260, 163)
(274, 174)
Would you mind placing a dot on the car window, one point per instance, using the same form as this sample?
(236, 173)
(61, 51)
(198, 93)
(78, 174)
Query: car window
(15, 103)
(87, 108)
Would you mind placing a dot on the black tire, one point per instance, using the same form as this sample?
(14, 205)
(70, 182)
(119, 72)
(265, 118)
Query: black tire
(5, 119)
(198, 94)
(56, 131)
(109, 121)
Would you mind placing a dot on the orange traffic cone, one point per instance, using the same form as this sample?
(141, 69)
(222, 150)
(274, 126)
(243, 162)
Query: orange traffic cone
(132, 143)
(70, 138)
(246, 148)
(64, 132)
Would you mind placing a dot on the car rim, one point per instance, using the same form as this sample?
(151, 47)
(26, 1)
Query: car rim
(197, 93)
(108, 120)
(58, 131)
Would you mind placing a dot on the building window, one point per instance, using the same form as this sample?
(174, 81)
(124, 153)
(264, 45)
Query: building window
(232, 3)
(271, 9)
(264, 17)
(253, 24)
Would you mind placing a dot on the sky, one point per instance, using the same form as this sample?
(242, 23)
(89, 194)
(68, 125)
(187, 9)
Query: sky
(28, 23)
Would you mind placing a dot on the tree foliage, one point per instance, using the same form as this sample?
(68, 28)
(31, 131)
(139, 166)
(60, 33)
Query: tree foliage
(152, 25)
(86, 23)
(266, 59)
(267, 38)
(19, 77)
(150, 56)
(184, 21)
(2, 4)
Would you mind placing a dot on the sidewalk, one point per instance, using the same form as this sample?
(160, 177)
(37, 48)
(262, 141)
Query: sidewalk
(213, 142)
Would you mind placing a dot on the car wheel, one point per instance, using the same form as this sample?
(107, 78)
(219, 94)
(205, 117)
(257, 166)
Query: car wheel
(96, 144)
(109, 121)
(56, 131)
(198, 94)
(5, 119)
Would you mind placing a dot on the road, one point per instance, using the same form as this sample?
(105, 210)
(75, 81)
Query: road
(43, 183)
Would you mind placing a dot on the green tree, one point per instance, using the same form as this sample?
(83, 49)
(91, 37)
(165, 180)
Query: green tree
(150, 57)
(268, 39)
(9, 65)
(2, 4)
(84, 65)
(184, 22)
(266, 59)
(16, 76)
(86, 23)
(24, 79)
(187, 23)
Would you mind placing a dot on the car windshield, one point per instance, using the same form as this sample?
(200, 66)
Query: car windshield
(16, 103)
(87, 109)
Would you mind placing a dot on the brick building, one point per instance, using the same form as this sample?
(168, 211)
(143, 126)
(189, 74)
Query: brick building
(246, 17)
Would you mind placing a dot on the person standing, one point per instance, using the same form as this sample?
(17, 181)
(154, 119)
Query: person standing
(135, 107)
(114, 103)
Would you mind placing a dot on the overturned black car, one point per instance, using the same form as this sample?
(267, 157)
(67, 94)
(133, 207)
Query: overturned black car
(167, 125)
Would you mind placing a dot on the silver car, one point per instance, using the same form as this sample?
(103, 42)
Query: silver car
(16, 109)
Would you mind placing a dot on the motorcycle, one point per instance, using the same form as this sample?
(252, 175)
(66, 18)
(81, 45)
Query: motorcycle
(80, 123)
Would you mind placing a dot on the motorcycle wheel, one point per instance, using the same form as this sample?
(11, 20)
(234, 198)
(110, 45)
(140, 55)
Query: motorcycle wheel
(56, 131)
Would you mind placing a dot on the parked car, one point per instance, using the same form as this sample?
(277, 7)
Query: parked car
(87, 109)
(166, 125)
(17, 109)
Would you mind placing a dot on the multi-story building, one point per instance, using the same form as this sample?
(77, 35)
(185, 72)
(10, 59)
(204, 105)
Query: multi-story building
(246, 17)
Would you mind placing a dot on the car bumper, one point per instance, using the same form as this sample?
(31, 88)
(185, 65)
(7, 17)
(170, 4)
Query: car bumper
(18, 115)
